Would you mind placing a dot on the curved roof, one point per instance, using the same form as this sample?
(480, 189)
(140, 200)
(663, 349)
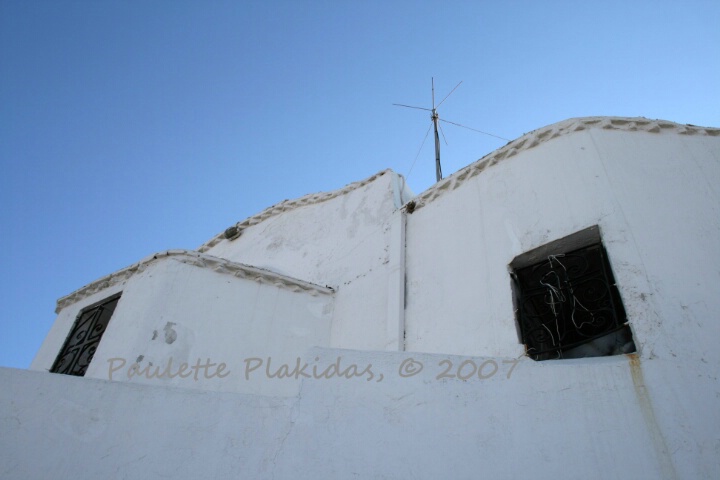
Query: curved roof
(287, 205)
(545, 134)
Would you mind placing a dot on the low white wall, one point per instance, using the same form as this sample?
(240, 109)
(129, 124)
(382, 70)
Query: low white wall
(612, 417)
(58, 426)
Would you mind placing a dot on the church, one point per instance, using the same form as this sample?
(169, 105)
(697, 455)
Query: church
(549, 310)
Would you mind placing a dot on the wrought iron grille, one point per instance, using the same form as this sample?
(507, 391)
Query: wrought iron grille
(568, 300)
(80, 346)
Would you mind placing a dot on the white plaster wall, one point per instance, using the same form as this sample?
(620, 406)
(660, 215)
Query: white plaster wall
(349, 242)
(174, 310)
(57, 426)
(591, 418)
(656, 200)
(354, 242)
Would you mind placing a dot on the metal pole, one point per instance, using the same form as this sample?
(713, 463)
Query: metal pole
(438, 170)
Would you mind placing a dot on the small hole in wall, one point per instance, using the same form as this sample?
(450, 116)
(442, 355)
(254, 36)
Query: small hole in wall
(232, 233)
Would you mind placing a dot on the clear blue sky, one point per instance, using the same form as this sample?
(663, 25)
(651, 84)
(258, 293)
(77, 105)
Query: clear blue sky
(132, 127)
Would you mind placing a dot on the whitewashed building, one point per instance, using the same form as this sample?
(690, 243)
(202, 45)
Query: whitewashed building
(549, 311)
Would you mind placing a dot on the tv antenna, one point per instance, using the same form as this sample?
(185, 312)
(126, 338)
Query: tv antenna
(435, 117)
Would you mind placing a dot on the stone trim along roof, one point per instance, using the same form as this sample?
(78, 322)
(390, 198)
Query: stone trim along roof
(287, 205)
(197, 259)
(542, 135)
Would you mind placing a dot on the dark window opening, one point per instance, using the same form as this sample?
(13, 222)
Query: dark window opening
(568, 305)
(84, 338)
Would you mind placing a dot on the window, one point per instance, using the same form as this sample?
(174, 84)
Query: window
(568, 305)
(80, 346)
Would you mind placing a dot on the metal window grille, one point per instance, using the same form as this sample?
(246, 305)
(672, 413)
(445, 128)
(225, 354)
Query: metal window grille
(569, 300)
(84, 338)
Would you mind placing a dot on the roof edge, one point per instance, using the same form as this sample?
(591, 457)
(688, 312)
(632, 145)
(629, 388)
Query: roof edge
(197, 259)
(547, 133)
(288, 205)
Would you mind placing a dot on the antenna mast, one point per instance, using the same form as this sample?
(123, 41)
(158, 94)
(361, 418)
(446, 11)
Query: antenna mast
(434, 117)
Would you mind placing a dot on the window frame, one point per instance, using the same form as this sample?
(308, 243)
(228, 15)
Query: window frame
(87, 346)
(566, 290)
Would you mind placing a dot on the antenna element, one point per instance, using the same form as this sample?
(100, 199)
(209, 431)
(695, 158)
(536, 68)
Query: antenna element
(435, 118)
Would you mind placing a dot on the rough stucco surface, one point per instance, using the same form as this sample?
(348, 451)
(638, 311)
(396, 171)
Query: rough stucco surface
(344, 241)
(614, 417)
(655, 199)
(56, 426)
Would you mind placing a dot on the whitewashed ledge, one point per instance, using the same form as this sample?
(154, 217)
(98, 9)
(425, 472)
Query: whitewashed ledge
(287, 205)
(196, 259)
(545, 134)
